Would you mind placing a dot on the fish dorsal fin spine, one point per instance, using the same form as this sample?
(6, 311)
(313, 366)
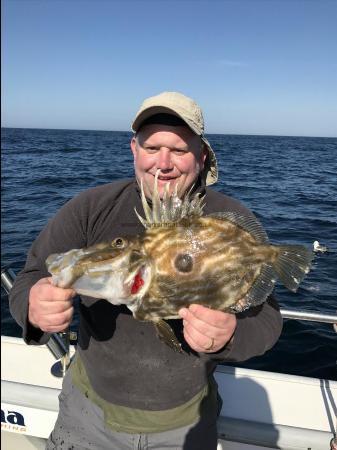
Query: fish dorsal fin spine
(246, 222)
(170, 209)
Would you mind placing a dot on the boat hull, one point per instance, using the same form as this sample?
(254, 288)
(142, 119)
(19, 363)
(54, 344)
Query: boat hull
(260, 409)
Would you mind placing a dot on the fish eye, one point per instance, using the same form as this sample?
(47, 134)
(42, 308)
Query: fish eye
(184, 262)
(119, 242)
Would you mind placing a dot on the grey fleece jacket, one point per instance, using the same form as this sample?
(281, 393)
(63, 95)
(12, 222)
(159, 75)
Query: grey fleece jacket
(125, 361)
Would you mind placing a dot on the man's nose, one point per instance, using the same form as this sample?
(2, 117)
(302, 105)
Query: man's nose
(164, 159)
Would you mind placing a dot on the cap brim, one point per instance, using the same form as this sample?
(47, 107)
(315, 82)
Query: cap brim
(148, 112)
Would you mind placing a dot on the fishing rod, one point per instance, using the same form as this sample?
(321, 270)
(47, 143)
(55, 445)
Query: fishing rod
(59, 343)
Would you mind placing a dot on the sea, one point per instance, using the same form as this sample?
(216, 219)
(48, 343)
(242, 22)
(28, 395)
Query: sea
(290, 183)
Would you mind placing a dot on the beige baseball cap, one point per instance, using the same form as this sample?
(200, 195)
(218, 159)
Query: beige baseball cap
(190, 112)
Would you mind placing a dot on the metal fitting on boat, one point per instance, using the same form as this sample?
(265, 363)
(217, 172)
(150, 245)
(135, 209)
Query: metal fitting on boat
(333, 443)
(7, 278)
(60, 367)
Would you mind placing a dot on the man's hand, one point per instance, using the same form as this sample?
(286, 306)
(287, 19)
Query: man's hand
(207, 330)
(50, 307)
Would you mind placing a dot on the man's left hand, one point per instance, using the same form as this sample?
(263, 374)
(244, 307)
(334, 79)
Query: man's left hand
(207, 330)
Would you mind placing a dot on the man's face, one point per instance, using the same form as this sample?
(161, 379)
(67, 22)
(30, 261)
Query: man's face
(176, 151)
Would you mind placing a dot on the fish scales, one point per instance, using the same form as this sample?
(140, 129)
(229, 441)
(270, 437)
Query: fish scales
(223, 261)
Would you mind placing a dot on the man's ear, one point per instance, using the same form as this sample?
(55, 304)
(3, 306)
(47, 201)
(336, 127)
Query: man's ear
(133, 145)
(204, 153)
(203, 156)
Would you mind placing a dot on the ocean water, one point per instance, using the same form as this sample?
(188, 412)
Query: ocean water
(290, 183)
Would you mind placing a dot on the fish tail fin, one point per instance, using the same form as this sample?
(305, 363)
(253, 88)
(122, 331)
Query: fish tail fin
(292, 264)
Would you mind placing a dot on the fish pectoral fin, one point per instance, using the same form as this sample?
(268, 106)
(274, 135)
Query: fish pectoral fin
(166, 334)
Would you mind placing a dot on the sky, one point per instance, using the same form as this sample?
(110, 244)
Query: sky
(254, 66)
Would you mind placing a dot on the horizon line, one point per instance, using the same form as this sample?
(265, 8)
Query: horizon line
(209, 134)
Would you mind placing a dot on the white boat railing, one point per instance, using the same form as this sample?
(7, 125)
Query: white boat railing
(308, 315)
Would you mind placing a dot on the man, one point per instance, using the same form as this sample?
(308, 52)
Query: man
(125, 389)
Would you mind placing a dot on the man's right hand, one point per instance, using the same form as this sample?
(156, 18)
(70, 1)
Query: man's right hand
(50, 307)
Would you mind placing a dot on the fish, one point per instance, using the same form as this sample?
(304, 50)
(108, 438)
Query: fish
(222, 260)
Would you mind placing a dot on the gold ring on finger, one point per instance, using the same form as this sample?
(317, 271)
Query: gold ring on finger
(210, 346)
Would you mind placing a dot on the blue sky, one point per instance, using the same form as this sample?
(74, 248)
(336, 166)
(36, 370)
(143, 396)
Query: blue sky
(255, 67)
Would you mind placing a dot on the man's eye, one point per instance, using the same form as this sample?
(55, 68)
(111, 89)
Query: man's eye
(151, 149)
(179, 152)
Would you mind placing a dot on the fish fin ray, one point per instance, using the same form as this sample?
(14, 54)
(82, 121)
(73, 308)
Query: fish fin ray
(292, 264)
(166, 334)
(248, 223)
(141, 219)
(156, 216)
(260, 290)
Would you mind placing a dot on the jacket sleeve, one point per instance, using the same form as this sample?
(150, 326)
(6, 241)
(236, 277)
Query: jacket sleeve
(63, 232)
(257, 331)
